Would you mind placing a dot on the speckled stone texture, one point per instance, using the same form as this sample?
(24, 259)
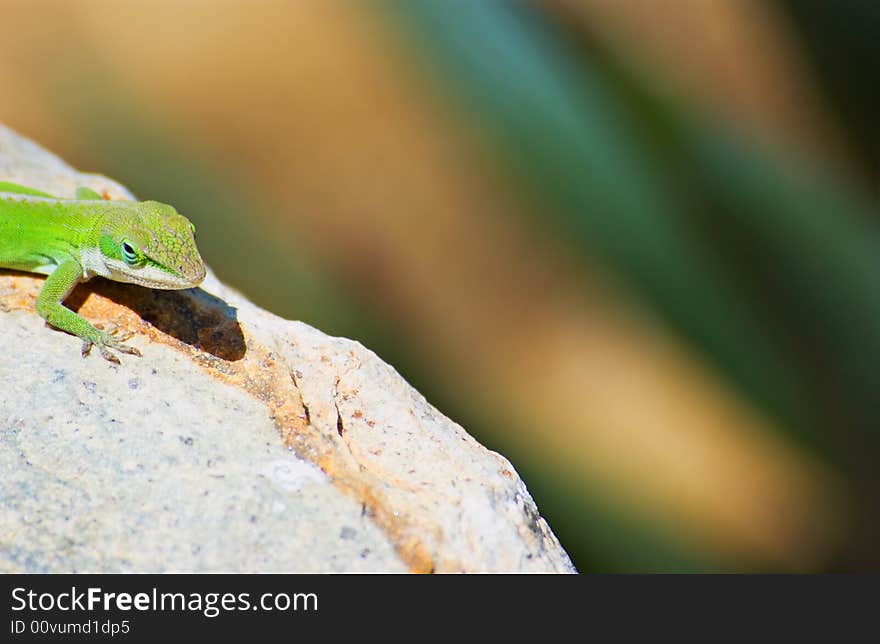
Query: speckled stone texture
(238, 442)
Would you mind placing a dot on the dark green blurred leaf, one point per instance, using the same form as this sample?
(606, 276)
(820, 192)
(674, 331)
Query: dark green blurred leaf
(843, 39)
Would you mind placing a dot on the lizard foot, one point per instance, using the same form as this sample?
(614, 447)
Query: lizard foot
(107, 342)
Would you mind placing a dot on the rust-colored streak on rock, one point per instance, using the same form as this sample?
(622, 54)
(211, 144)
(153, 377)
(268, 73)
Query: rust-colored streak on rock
(267, 377)
(410, 549)
(20, 291)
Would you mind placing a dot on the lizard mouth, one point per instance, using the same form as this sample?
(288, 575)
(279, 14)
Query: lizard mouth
(182, 276)
(154, 275)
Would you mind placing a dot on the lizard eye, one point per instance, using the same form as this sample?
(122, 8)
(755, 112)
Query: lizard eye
(129, 253)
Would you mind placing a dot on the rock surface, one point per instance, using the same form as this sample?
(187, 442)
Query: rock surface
(239, 442)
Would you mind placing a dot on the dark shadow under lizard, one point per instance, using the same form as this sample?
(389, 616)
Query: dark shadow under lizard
(193, 316)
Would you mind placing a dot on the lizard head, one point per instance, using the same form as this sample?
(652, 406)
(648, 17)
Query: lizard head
(149, 244)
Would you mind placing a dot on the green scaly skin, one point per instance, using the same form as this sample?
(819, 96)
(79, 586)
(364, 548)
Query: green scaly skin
(72, 240)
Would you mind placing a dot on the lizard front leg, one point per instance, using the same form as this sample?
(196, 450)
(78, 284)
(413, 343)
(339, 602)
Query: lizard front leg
(49, 305)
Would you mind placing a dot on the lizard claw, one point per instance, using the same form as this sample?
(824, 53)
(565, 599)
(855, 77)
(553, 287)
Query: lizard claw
(105, 353)
(124, 348)
(116, 331)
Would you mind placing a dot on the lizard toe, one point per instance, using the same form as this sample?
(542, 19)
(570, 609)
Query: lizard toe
(108, 355)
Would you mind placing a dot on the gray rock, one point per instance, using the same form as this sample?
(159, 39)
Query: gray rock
(239, 442)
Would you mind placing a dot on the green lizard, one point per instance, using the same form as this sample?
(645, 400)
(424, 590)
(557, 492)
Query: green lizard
(72, 240)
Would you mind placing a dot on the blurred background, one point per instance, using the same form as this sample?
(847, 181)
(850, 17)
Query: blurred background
(632, 245)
